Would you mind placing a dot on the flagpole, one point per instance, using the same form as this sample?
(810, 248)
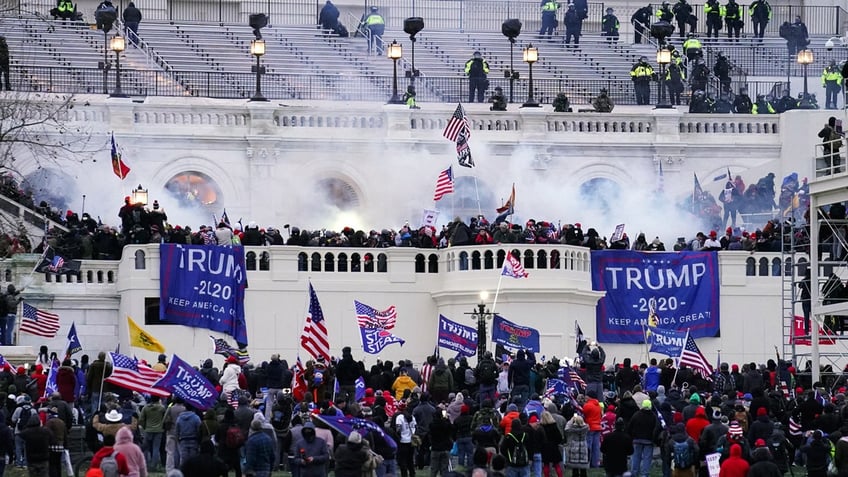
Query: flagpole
(647, 346)
(677, 369)
(477, 193)
(497, 291)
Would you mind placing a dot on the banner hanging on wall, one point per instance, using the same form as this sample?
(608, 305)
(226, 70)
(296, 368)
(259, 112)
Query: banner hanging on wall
(683, 287)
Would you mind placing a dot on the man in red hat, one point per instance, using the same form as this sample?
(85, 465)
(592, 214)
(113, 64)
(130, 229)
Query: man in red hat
(712, 244)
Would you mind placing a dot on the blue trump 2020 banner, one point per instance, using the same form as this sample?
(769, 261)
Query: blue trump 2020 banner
(514, 336)
(188, 384)
(460, 338)
(667, 342)
(203, 286)
(682, 285)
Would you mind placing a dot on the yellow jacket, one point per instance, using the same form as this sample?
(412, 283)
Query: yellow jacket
(401, 384)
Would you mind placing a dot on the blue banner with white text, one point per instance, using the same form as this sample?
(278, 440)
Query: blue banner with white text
(460, 338)
(203, 286)
(665, 341)
(682, 287)
(187, 383)
(514, 336)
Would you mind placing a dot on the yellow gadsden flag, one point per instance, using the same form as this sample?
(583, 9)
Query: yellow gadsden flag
(142, 339)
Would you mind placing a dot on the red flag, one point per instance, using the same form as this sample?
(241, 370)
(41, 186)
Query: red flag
(118, 166)
(510, 203)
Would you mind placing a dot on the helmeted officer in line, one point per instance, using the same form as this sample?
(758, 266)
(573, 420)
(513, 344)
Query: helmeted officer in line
(642, 73)
(376, 25)
(549, 20)
(477, 70)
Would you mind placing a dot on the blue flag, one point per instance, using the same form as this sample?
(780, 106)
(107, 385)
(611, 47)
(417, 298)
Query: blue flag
(203, 287)
(345, 425)
(514, 336)
(460, 338)
(667, 342)
(51, 386)
(335, 386)
(74, 345)
(556, 386)
(375, 339)
(187, 383)
(360, 388)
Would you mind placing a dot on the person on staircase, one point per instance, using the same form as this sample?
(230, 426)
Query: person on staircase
(132, 18)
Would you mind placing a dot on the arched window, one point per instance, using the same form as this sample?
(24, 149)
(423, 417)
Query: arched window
(528, 259)
(542, 259)
(368, 262)
(329, 262)
(89, 275)
(316, 262)
(99, 276)
(420, 265)
(140, 262)
(195, 189)
(338, 193)
(775, 267)
(302, 260)
(250, 260)
(488, 260)
(382, 263)
(8, 275)
(475, 260)
(433, 263)
(764, 267)
(555, 259)
(265, 261)
(355, 263)
(342, 262)
(750, 267)
(501, 258)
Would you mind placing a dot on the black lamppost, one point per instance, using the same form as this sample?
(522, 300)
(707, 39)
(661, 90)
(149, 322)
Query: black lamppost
(118, 44)
(511, 29)
(805, 57)
(663, 59)
(257, 49)
(481, 314)
(394, 51)
(412, 26)
(531, 55)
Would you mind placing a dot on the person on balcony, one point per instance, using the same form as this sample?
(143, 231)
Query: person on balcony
(760, 11)
(602, 104)
(721, 70)
(763, 106)
(641, 21)
(692, 47)
(742, 103)
(549, 20)
(610, 26)
(132, 18)
(675, 78)
(715, 12)
(573, 25)
(498, 100)
(831, 80)
(733, 19)
(665, 14)
(642, 73)
(683, 14)
(477, 70)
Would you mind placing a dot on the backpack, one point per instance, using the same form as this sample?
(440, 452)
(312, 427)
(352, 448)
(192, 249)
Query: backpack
(234, 438)
(518, 457)
(109, 465)
(23, 418)
(488, 372)
(682, 455)
(469, 377)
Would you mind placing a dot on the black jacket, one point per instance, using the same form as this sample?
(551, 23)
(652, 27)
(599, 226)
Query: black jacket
(132, 14)
(616, 447)
(643, 425)
(350, 458)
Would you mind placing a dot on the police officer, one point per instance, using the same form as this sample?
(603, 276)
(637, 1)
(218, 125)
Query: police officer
(700, 103)
(714, 12)
(700, 75)
(65, 9)
(561, 104)
(664, 14)
(549, 11)
(376, 25)
(722, 71)
(763, 106)
(641, 21)
(722, 105)
(603, 103)
(498, 100)
(477, 70)
(683, 13)
(409, 98)
(742, 102)
(573, 25)
(641, 74)
(692, 47)
(785, 102)
(675, 78)
(760, 11)
(733, 19)
(610, 26)
(831, 80)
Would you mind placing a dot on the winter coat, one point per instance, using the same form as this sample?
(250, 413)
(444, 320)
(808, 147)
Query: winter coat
(697, 424)
(350, 460)
(401, 384)
(230, 378)
(840, 457)
(616, 447)
(735, 465)
(131, 452)
(763, 465)
(576, 452)
(642, 426)
(550, 449)
(66, 382)
(762, 428)
(592, 414)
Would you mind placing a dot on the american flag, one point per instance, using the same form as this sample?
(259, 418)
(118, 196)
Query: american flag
(512, 268)
(314, 338)
(691, 356)
(225, 349)
(456, 124)
(444, 184)
(555, 386)
(57, 264)
(130, 374)
(368, 317)
(39, 322)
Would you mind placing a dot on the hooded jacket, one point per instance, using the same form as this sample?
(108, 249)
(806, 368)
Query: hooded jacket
(230, 378)
(763, 464)
(350, 459)
(131, 452)
(697, 424)
(105, 451)
(735, 465)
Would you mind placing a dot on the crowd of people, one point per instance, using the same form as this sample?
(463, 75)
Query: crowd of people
(499, 416)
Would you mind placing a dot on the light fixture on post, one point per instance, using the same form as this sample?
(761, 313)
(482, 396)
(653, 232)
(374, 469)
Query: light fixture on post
(511, 29)
(663, 59)
(394, 51)
(139, 195)
(257, 49)
(481, 314)
(118, 44)
(805, 57)
(412, 26)
(531, 55)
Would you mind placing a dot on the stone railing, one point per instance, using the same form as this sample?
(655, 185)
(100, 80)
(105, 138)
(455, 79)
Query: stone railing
(234, 118)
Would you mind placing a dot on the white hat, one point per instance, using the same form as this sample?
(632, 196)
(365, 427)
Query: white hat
(114, 416)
